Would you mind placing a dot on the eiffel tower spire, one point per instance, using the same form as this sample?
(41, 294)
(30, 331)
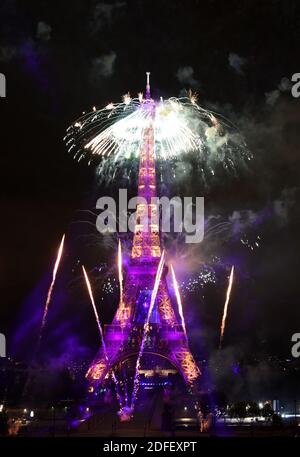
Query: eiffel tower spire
(148, 93)
(146, 241)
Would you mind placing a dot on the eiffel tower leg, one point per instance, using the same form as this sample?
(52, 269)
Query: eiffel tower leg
(187, 365)
(178, 344)
(115, 340)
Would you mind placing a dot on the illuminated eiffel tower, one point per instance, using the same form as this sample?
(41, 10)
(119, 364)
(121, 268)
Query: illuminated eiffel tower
(123, 337)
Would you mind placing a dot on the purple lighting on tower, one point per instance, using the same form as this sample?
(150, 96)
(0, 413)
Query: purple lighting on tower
(148, 94)
(141, 311)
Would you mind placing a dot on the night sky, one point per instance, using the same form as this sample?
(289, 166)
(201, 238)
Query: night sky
(61, 58)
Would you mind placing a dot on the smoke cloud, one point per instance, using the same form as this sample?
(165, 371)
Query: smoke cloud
(103, 67)
(185, 76)
(43, 31)
(236, 62)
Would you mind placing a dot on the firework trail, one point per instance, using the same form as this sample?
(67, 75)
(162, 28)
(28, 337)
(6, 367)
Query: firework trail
(146, 328)
(49, 295)
(45, 314)
(89, 288)
(226, 306)
(120, 272)
(178, 298)
(126, 396)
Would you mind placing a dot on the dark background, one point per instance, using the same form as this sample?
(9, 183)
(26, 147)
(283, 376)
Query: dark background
(54, 74)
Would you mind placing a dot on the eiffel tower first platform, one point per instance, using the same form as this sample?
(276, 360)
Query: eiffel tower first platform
(166, 337)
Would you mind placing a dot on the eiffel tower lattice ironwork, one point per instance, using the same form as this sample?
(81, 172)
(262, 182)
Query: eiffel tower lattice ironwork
(166, 337)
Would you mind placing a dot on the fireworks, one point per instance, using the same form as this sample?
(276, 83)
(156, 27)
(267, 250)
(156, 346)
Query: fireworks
(226, 306)
(146, 327)
(89, 288)
(180, 126)
(88, 284)
(252, 244)
(207, 275)
(120, 271)
(125, 414)
(49, 295)
(178, 298)
(128, 121)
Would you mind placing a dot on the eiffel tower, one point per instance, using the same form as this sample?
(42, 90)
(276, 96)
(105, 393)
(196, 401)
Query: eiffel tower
(166, 336)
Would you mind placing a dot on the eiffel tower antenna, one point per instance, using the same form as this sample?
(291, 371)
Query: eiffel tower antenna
(148, 92)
